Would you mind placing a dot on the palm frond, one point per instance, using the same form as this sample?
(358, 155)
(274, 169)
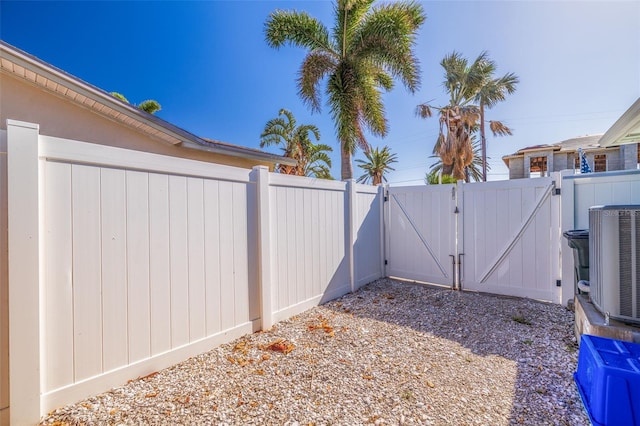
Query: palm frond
(499, 129)
(424, 111)
(298, 29)
(315, 67)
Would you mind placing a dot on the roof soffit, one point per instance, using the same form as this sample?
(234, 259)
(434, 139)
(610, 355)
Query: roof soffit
(626, 129)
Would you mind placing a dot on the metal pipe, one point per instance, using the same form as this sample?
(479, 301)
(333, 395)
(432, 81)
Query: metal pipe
(459, 277)
(453, 272)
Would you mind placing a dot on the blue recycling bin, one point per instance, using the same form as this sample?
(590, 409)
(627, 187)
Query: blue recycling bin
(608, 380)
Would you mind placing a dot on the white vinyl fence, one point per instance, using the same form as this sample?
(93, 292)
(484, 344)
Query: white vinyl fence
(122, 262)
(118, 263)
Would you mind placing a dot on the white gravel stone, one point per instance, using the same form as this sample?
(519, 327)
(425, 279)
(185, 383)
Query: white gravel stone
(390, 353)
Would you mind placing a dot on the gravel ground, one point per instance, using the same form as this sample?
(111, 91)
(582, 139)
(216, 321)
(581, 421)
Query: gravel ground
(390, 353)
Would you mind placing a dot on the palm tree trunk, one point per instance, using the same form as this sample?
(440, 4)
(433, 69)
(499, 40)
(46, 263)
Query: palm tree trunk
(483, 144)
(447, 169)
(346, 170)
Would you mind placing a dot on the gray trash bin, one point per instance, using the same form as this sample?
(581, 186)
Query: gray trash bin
(578, 240)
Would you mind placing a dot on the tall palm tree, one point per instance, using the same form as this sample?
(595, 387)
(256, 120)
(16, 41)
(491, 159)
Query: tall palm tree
(295, 142)
(150, 106)
(467, 85)
(367, 48)
(491, 91)
(378, 163)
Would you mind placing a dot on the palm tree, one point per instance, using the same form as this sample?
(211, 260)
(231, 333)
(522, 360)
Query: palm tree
(318, 162)
(378, 163)
(434, 177)
(149, 106)
(492, 91)
(296, 143)
(472, 172)
(466, 84)
(367, 48)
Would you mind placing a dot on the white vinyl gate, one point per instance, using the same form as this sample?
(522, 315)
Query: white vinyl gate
(420, 230)
(498, 237)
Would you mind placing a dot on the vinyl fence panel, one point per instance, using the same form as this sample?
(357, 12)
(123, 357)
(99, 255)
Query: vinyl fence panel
(369, 234)
(133, 253)
(307, 243)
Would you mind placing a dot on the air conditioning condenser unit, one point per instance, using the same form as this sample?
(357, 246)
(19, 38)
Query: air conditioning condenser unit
(614, 260)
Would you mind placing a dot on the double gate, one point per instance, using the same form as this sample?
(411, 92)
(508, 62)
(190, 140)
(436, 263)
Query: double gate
(498, 237)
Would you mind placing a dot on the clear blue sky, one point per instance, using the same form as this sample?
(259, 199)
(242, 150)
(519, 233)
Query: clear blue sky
(207, 63)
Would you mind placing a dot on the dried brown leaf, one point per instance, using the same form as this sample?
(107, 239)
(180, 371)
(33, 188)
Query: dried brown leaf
(280, 345)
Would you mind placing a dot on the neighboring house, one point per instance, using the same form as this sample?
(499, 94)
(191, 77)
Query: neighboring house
(540, 160)
(67, 107)
(617, 149)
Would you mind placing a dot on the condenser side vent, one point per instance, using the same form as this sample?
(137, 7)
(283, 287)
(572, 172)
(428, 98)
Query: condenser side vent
(614, 258)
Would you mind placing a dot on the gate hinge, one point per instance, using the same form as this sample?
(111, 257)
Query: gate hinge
(555, 190)
(385, 261)
(558, 283)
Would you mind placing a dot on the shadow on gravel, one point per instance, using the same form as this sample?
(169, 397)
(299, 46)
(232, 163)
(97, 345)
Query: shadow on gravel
(536, 336)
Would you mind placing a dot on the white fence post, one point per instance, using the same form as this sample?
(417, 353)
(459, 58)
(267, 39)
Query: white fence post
(556, 237)
(261, 176)
(382, 193)
(24, 275)
(350, 231)
(567, 209)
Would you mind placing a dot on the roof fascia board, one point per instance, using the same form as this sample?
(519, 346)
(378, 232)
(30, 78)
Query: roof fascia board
(183, 137)
(229, 150)
(62, 78)
(524, 151)
(619, 131)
